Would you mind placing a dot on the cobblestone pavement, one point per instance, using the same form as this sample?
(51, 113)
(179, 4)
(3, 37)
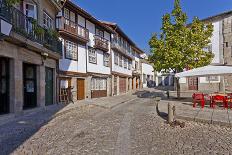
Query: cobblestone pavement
(129, 128)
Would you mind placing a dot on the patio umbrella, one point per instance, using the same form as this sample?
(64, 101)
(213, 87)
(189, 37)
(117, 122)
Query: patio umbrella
(206, 71)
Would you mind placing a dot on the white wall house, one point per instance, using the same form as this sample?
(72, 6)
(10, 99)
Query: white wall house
(85, 64)
(125, 61)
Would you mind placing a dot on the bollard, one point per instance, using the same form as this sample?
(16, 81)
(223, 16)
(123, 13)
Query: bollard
(170, 113)
(157, 100)
(174, 112)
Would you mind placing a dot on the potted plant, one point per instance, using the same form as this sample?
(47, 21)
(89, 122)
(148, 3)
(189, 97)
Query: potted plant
(12, 2)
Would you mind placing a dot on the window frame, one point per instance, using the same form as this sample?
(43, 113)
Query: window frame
(120, 60)
(212, 79)
(106, 59)
(98, 84)
(129, 64)
(72, 44)
(50, 18)
(91, 55)
(125, 63)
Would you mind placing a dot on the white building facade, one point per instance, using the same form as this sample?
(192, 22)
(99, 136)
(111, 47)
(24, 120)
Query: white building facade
(85, 63)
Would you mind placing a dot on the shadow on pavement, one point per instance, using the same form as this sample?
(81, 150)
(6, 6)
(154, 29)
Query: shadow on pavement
(149, 94)
(14, 133)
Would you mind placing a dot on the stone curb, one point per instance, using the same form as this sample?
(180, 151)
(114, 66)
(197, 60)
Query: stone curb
(199, 120)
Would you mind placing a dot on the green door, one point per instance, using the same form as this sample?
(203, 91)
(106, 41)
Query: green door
(49, 86)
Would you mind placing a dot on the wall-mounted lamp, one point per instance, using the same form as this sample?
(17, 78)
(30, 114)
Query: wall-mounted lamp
(44, 56)
(5, 29)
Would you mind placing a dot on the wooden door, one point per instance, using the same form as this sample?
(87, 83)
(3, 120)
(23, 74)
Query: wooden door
(132, 83)
(48, 86)
(30, 88)
(4, 86)
(137, 83)
(80, 89)
(193, 83)
(122, 85)
(115, 85)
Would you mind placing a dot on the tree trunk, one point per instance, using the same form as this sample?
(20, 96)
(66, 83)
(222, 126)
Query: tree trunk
(177, 88)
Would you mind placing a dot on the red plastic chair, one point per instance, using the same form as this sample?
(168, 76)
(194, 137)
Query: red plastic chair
(219, 99)
(198, 97)
(229, 99)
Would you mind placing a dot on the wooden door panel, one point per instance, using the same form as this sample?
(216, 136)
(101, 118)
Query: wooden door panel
(98, 93)
(80, 89)
(193, 83)
(115, 86)
(48, 86)
(122, 85)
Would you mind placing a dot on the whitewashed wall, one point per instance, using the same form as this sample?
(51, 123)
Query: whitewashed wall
(148, 70)
(117, 68)
(99, 67)
(74, 66)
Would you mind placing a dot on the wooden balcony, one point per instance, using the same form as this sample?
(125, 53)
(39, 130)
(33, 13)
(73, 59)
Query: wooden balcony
(120, 49)
(101, 43)
(29, 28)
(70, 28)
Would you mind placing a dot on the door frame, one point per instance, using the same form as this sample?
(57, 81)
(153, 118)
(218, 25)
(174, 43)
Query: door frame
(7, 78)
(35, 85)
(194, 81)
(52, 97)
(82, 98)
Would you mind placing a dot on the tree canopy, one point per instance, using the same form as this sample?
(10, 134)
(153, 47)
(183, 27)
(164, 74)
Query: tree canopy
(180, 45)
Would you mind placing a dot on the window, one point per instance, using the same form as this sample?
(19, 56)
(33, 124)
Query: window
(144, 78)
(212, 78)
(226, 44)
(66, 16)
(71, 50)
(98, 84)
(47, 21)
(130, 64)
(120, 60)
(106, 58)
(125, 62)
(115, 58)
(92, 55)
(30, 10)
(72, 19)
(136, 65)
(66, 13)
(99, 33)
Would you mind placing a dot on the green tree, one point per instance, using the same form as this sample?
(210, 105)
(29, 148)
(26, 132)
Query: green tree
(180, 45)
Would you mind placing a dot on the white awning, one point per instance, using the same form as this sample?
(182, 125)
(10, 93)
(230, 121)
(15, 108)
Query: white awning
(206, 71)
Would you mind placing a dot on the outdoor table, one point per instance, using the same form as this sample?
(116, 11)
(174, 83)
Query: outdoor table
(223, 100)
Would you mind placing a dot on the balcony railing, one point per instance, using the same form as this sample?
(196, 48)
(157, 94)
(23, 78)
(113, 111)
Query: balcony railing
(64, 24)
(28, 27)
(101, 43)
(117, 46)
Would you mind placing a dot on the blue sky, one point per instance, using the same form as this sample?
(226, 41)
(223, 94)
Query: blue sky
(140, 18)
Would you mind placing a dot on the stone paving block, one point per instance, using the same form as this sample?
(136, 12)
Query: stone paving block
(220, 117)
(204, 116)
(230, 116)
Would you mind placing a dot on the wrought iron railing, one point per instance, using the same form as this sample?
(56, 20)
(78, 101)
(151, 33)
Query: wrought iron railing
(29, 28)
